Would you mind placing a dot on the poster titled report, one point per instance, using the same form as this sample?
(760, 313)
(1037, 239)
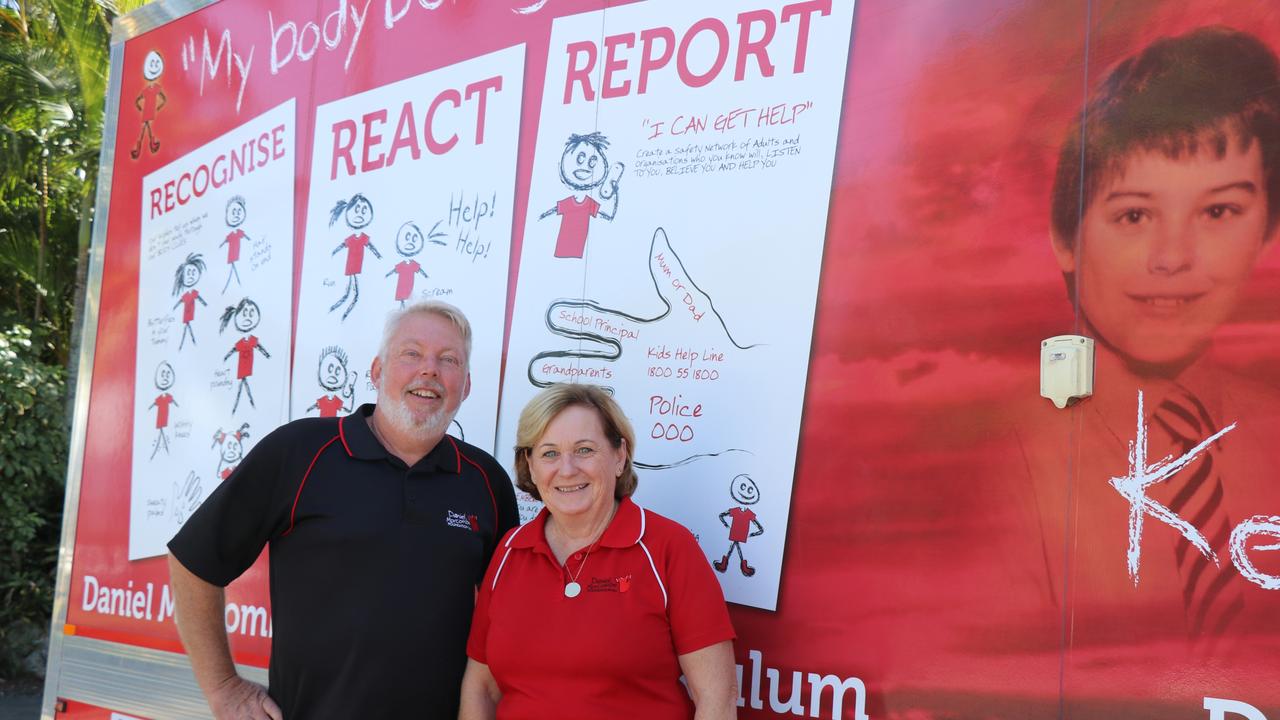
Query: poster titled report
(677, 211)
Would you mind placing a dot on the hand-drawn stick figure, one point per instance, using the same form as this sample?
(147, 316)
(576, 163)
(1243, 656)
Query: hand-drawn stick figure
(185, 278)
(232, 449)
(246, 316)
(164, 381)
(584, 168)
(149, 102)
(337, 379)
(409, 242)
(743, 489)
(357, 213)
(236, 214)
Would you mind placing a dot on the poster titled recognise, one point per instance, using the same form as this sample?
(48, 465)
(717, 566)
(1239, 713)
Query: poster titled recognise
(213, 319)
(411, 192)
(676, 221)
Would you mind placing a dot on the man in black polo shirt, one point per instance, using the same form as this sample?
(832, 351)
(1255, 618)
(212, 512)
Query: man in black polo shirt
(380, 527)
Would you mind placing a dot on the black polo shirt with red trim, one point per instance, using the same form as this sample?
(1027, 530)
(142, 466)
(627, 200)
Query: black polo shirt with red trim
(373, 564)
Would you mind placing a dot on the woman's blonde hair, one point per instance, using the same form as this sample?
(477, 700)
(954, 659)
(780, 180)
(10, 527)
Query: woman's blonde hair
(546, 405)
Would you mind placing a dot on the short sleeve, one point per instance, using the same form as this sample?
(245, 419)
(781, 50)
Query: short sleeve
(224, 536)
(478, 640)
(696, 609)
(593, 207)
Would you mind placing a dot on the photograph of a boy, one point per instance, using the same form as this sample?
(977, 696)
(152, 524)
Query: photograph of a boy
(1166, 196)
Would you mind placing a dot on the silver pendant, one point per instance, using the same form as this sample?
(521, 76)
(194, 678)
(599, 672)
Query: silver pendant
(572, 590)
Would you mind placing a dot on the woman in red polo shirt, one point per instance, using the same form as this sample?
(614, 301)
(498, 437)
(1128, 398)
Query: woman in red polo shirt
(597, 606)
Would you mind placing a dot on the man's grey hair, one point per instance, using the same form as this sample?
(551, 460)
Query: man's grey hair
(428, 307)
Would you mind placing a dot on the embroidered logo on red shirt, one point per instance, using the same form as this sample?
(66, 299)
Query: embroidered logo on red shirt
(619, 584)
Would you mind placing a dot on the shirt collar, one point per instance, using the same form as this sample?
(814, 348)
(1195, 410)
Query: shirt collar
(360, 442)
(625, 529)
(627, 526)
(1117, 386)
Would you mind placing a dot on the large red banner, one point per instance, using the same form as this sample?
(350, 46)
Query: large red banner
(1006, 171)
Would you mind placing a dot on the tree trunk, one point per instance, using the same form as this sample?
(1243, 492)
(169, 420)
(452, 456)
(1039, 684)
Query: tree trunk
(44, 208)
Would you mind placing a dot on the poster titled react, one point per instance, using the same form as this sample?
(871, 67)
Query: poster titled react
(411, 193)
(216, 255)
(676, 222)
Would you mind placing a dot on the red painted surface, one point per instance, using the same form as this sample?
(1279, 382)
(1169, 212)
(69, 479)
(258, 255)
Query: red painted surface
(908, 561)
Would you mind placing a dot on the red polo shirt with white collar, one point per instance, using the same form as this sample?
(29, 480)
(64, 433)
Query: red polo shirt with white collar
(648, 596)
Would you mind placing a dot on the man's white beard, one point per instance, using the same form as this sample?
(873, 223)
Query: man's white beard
(396, 413)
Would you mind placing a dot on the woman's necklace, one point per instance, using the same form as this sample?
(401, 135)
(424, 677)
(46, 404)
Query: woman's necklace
(572, 589)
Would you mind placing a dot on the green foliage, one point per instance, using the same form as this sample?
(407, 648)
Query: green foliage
(53, 76)
(39, 124)
(53, 65)
(33, 454)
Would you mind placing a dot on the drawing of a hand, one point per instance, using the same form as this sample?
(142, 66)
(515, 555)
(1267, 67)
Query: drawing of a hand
(644, 343)
(610, 186)
(187, 496)
(674, 363)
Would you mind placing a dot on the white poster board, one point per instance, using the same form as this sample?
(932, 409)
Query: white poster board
(412, 186)
(214, 308)
(677, 213)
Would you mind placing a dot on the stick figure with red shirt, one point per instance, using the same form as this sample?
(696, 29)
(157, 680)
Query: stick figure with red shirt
(149, 102)
(185, 278)
(337, 379)
(231, 449)
(744, 491)
(164, 381)
(236, 214)
(584, 168)
(246, 316)
(357, 213)
(409, 242)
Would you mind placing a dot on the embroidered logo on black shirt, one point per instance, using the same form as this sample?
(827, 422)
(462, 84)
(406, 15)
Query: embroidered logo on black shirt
(462, 520)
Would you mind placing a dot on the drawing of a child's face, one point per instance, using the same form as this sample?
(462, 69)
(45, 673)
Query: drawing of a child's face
(152, 66)
(583, 166)
(333, 371)
(164, 376)
(232, 449)
(409, 240)
(235, 213)
(744, 490)
(190, 274)
(247, 317)
(359, 213)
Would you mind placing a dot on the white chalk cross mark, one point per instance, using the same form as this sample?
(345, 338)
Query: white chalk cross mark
(1133, 487)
